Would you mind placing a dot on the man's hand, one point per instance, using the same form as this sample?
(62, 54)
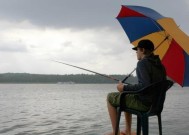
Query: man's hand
(120, 86)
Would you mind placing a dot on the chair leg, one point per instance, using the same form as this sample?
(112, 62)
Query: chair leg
(138, 125)
(160, 124)
(118, 120)
(144, 120)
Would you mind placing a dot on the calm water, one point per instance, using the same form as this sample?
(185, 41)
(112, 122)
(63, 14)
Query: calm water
(79, 109)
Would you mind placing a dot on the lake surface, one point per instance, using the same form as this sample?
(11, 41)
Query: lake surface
(77, 109)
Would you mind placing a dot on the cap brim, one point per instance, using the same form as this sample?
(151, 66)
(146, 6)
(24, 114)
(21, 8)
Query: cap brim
(134, 48)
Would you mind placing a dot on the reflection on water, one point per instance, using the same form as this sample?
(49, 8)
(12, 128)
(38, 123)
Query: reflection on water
(79, 109)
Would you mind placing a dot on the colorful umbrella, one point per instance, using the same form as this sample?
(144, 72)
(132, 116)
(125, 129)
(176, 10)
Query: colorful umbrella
(171, 44)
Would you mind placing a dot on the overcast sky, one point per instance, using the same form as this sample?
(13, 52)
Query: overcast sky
(80, 32)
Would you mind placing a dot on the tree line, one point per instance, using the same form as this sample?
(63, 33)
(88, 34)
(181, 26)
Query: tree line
(70, 78)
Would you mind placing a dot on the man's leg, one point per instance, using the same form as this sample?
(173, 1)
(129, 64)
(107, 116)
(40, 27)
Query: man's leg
(113, 116)
(128, 123)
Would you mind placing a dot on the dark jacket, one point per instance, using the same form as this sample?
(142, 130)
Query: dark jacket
(148, 71)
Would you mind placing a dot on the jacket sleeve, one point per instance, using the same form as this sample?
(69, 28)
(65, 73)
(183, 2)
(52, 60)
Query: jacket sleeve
(143, 75)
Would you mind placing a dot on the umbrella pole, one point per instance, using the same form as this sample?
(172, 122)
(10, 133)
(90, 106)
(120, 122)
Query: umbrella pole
(161, 42)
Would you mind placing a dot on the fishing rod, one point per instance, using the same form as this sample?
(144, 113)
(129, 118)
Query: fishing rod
(106, 76)
(128, 76)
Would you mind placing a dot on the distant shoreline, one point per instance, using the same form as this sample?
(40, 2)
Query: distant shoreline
(28, 78)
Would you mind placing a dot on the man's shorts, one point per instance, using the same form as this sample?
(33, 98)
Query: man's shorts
(130, 99)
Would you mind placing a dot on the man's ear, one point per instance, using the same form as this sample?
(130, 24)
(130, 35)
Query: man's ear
(142, 50)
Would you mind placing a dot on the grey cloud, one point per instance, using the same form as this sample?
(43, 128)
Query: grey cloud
(12, 48)
(67, 44)
(60, 13)
(81, 13)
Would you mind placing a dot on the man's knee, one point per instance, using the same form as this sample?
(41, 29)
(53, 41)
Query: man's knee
(108, 97)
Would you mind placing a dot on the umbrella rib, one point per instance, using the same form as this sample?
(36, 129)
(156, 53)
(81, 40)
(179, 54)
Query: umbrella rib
(164, 35)
(155, 24)
(159, 28)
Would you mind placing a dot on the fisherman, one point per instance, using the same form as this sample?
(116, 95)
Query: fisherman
(149, 70)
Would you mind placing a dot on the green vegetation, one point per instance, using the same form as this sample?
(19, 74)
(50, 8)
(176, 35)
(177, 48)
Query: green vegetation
(73, 78)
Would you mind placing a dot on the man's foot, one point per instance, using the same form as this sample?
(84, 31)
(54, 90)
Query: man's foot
(109, 133)
(124, 133)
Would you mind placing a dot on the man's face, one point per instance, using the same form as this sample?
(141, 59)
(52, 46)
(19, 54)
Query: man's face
(140, 53)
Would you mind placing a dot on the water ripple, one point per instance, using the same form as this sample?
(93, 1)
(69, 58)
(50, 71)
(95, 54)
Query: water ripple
(5, 130)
